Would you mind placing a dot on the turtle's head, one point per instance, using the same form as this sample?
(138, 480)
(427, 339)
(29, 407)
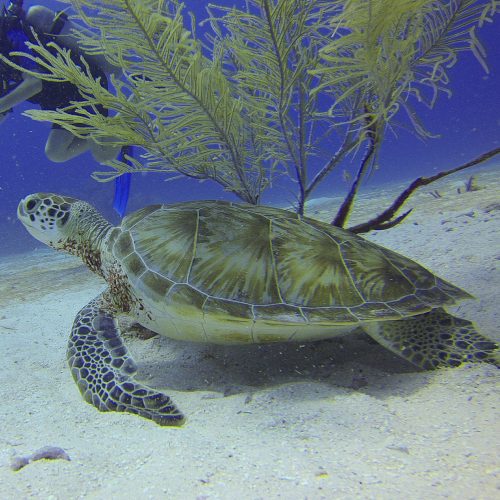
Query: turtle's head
(47, 217)
(61, 222)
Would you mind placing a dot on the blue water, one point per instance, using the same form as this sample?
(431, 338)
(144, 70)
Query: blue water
(468, 124)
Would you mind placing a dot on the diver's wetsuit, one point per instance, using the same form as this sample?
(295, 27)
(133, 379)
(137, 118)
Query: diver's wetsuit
(12, 38)
(53, 95)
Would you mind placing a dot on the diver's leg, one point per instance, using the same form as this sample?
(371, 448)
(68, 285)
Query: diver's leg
(44, 20)
(62, 145)
(104, 152)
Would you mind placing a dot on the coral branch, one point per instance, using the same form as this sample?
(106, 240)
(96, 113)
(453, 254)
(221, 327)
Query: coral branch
(383, 221)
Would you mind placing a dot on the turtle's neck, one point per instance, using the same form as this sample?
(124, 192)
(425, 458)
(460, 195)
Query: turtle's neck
(91, 231)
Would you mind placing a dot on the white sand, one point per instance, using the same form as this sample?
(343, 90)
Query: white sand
(339, 419)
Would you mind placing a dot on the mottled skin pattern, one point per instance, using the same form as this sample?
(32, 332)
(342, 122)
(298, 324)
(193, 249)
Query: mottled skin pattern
(103, 370)
(437, 339)
(233, 273)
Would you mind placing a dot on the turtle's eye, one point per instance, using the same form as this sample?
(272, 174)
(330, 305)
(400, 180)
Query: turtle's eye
(30, 205)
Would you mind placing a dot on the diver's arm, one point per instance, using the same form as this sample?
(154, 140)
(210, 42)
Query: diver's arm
(29, 87)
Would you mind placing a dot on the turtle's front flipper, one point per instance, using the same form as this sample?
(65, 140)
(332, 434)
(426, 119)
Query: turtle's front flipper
(103, 369)
(434, 339)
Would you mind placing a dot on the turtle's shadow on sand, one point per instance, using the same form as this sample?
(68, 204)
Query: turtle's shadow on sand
(354, 362)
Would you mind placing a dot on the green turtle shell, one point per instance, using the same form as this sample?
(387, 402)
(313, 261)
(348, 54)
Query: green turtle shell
(236, 263)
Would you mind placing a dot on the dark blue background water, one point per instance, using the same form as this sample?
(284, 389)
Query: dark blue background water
(468, 124)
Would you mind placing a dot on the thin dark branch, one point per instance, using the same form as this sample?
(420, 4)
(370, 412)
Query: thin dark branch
(394, 222)
(383, 221)
(346, 207)
(302, 171)
(339, 155)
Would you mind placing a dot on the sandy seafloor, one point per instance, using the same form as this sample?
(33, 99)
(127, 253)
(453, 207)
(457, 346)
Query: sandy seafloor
(337, 419)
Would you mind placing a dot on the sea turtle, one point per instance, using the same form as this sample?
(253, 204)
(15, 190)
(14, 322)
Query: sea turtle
(214, 271)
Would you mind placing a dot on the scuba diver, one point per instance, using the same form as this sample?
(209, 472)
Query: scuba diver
(16, 86)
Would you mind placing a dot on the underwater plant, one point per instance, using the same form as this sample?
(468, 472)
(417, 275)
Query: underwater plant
(271, 84)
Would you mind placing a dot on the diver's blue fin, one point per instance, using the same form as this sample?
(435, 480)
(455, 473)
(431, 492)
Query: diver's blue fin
(122, 190)
(122, 184)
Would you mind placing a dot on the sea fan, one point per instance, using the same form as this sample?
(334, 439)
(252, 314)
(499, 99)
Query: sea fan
(273, 84)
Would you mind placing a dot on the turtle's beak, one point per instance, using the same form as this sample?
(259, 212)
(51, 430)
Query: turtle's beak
(27, 206)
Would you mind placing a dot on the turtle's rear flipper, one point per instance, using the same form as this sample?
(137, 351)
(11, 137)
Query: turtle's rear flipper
(103, 369)
(434, 339)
